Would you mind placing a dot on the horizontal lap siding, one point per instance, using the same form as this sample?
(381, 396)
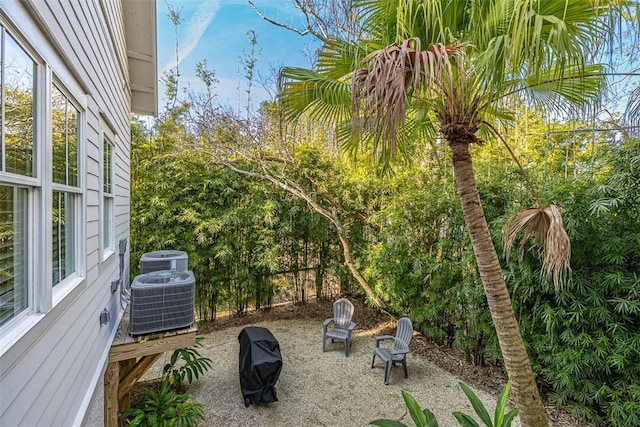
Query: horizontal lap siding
(48, 376)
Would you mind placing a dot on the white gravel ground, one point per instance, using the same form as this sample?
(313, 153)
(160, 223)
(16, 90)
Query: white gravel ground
(315, 388)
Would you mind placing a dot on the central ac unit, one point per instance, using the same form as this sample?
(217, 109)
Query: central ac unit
(161, 301)
(163, 260)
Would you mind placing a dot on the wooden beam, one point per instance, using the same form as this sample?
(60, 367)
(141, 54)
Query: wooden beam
(145, 348)
(124, 401)
(111, 383)
(127, 383)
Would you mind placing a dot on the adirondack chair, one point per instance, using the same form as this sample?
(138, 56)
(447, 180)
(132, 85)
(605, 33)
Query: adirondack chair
(339, 327)
(398, 352)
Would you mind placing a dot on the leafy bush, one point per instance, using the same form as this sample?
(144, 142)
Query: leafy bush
(585, 339)
(425, 418)
(186, 363)
(164, 408)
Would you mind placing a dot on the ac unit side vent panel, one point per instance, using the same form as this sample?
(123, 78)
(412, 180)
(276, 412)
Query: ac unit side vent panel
(162, 301)
(163, 260)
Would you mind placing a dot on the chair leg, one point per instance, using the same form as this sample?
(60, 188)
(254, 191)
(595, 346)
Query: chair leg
(373, 360)
(387, 371)
(404, 365)
(347, 347)
(324, 342)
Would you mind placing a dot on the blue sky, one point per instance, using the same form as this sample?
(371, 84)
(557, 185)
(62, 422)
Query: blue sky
(216, 30)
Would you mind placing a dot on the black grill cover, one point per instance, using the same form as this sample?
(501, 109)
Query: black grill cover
(260, 364)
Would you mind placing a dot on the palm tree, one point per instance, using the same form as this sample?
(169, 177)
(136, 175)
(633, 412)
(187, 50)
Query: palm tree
(454, 67)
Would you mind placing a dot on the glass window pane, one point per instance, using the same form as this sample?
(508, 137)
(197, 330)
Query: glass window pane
(106, 172)
(63, 238)
(19, 105)
(72, 145)
(106, 232)
(59, 135)
(64, 124)
(13, 252)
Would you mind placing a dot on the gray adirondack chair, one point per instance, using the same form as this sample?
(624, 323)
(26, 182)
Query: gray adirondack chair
(390, 355)
(339, 327)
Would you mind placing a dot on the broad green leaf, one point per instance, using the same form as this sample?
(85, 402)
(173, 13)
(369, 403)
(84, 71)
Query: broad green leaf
(501, 405)
(387, 423)
(478, 406)
(465, 420)
(431, 419)
(414, 409)
(509, 418)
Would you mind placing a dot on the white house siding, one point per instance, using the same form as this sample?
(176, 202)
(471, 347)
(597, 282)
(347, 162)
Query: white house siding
(49, 372)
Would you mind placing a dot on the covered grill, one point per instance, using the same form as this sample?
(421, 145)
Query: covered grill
(260, 365)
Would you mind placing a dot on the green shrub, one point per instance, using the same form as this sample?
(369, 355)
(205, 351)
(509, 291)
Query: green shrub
(425, 418)
(164, 408)
(186, 363)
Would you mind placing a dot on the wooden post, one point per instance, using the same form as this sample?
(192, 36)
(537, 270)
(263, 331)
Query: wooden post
(124, 400)
(122, 369)
(111, 383)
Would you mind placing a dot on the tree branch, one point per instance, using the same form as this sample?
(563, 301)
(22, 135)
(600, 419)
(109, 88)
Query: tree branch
(308, 30)
(295, 189)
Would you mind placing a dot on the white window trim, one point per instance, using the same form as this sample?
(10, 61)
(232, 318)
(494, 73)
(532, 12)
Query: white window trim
(42, 296)
(62, 289)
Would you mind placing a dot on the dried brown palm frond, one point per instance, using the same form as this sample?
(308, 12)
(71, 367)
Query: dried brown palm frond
(545, 226)
(381, 86)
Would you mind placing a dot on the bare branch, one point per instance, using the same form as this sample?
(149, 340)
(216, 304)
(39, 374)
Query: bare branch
(308, 30)
(296, 190)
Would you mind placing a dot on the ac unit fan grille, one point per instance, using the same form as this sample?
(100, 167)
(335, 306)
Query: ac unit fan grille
(160, 306)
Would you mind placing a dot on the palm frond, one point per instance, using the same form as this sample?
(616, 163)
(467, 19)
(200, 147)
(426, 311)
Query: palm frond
(379, 18)
(545, 226)
(578, 85)
(382, 85)
(326, 99)
(631, 115)
(558, 89)
(554, 31)
(338, 58)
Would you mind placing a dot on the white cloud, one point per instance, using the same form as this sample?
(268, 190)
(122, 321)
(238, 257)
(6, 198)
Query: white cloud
(194, 29)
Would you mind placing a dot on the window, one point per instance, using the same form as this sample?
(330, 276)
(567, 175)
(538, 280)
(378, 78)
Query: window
(41, 232)
(17, 167)
(107, 196)
(66, 192)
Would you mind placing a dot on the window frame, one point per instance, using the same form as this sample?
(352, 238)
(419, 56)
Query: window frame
(61, 289)
(42, 295)
(33, 185)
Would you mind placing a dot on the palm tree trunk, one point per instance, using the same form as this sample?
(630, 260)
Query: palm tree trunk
(515, 356)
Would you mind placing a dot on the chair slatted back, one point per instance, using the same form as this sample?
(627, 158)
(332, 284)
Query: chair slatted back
(404, 334)
(342, 313)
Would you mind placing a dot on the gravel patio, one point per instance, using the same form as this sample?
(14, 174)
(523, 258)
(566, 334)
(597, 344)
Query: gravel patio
(315, 388)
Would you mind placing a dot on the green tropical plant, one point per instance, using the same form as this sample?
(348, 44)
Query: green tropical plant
(421, 417)
(585, 338)
(164, 408)
(459, 68)
(186, 363)
(425, 418)
(500, 419)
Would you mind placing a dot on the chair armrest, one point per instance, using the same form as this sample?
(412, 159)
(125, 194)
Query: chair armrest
(381, 338)
(326, 323)
(351, 326)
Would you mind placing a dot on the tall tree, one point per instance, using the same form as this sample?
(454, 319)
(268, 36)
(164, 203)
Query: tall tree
(455, 67)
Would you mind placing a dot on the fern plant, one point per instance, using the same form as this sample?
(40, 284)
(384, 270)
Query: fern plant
(425, 418)
(186, 363)
(164, 408)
